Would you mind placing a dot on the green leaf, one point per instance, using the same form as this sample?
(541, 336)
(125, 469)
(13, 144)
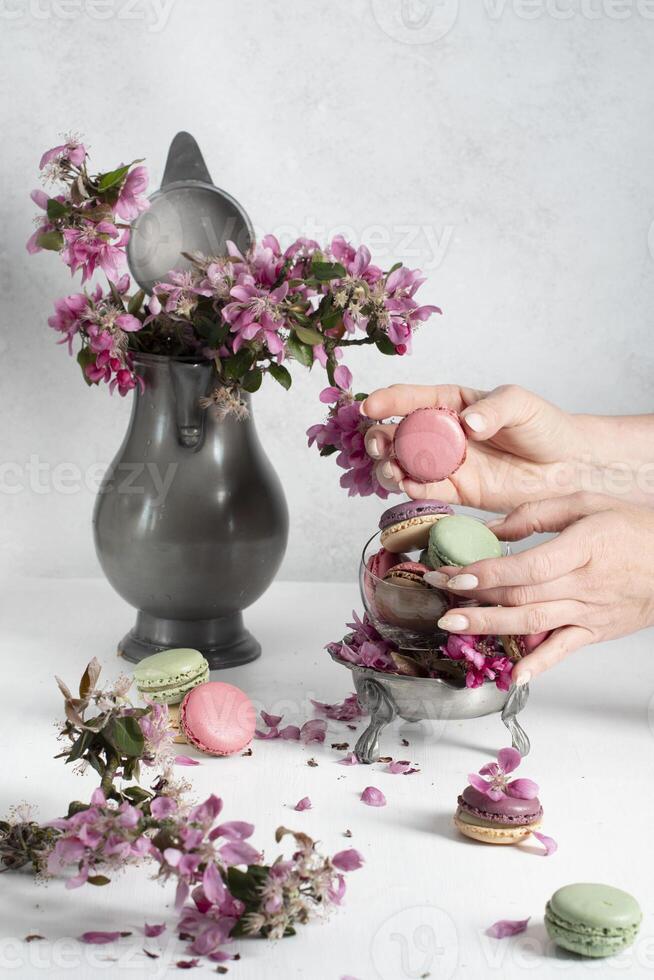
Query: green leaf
(52, 241)
(332, 319)
(252, 380)
(113, 178)
(125, 735)
(246, 885)
(241, 362)
(384, 345)
(80, 746)
(301, 352)
(218, 334)
(56, 209)
(95, 762)
(98, 880)
(324, 271)
(360, 396)
(328, 450)
(84, 358)
(137, 794)
(309, 336)
(136, 302)
(281, 375)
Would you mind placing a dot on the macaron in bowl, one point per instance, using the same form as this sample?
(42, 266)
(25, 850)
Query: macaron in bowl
(460, 540)
(429, 444)
(217, 718)
(166, 677)
(406, 526)
(592, 919)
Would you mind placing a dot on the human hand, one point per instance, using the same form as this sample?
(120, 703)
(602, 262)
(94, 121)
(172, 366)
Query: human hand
(562, 585)
(520, 447)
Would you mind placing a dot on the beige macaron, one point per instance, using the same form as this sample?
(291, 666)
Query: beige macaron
(493, 833)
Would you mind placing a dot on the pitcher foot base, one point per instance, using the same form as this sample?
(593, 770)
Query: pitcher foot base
(225, 642)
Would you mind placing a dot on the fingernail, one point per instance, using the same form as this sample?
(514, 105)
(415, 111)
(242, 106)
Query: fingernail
(436, 578)
(362, 407)
(523, 679)
(475, 421)
(387, 471)
(373, 449)
(401, 485)
(496, 522)
(463, 582)
(453, 624)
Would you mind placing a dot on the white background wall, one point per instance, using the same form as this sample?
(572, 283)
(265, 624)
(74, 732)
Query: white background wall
(513, 141)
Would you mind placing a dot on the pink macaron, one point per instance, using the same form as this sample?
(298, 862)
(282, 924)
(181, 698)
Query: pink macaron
(430, 444)
(217, 718)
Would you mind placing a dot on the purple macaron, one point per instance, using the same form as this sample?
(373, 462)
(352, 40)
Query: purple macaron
(406, 526)
(508, 811)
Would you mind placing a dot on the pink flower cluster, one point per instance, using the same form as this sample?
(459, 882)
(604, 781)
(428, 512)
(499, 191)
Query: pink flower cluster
(364, 647)
(103, 325)
(344, 433)
(102, 836)
(196, 853)
(482, 658)
(248, 313)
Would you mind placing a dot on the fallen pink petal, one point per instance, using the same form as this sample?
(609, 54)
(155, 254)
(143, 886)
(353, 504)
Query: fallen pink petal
(185, 760)
(101, 938)
(303, 804)
(401, 768)
(507, 927)
(152, 931)
(349, 760)
(313, 731)
(548, 843)
(349, 860)
(272, 721)
(372, 796)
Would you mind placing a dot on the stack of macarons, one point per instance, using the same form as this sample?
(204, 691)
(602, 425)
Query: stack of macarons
(217, 718)
(416, 537)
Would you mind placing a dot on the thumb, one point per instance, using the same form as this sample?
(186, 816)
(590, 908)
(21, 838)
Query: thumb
(502, 408)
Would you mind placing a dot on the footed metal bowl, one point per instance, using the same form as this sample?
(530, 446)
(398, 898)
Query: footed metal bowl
(387, 696)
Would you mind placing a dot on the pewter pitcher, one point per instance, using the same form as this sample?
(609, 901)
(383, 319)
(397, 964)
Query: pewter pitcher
(190, 522)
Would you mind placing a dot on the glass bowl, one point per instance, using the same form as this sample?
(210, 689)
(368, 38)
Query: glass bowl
(407, 616)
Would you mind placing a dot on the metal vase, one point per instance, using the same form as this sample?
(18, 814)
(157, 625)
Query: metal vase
(190, 522)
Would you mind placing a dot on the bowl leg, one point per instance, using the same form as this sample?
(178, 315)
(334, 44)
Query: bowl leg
(517, 699)
(374, 699)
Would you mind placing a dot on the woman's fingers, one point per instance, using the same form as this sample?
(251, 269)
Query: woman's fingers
(519, 595)
(498, 620)
(553, 514)
(389, 475)
(552, 651)
(445, 490)
(379, 441)
(402, 399)
(544, 563)
(502, 408)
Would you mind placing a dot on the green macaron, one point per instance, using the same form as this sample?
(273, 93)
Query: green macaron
(592, 920)
(168, 676)
(460, 541)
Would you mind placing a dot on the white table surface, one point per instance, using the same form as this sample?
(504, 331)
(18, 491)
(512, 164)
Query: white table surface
(421, 904)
